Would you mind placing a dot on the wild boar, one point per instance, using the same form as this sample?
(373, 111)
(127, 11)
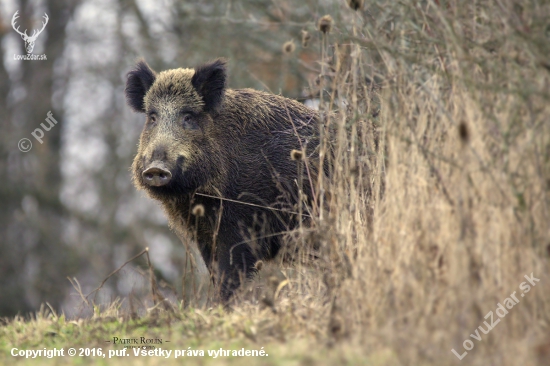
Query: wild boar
(219, 162)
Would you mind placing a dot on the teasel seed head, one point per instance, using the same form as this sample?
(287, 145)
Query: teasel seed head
(289, 47)
(306, 37)
(296, 155)
(464, 132)
(325, 24)
(355, 4)
(198, 210)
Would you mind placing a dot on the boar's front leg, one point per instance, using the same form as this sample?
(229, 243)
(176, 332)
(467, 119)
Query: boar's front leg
(236, 262)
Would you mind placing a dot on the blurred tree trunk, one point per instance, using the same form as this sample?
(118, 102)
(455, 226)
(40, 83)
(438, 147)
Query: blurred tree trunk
(34, 260)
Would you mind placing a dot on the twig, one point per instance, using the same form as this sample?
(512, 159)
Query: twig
(78, 289)
(249, 204)
(146, 250)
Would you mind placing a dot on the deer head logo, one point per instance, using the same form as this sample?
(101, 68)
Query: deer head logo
(29, 40)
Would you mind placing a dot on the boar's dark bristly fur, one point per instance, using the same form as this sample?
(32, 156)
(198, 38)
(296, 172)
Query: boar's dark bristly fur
(201, 138)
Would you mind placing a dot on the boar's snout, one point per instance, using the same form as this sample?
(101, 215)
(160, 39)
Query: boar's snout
(156, 174)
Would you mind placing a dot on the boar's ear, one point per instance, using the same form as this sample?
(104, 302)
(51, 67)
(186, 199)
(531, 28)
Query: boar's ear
(209, 81)
(139, 81)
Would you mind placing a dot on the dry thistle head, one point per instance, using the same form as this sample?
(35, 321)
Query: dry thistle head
(306, 37)
(317, 80)
(289, 47)
(335, 326)
(325, 24)
(355, 4)
(296, 155)
(198, 210)
(463, 132)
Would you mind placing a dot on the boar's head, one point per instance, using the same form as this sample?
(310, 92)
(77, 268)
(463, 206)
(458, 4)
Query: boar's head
(179, 148)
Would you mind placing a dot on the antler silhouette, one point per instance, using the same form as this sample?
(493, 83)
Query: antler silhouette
(15, 16)
(43, 26)
(29, 41)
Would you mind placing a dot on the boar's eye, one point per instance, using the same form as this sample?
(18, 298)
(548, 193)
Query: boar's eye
(188, 122)
(152, 120)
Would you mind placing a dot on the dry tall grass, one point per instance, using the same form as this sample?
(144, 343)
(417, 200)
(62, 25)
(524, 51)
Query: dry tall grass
(438, 204)
(440, 192)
